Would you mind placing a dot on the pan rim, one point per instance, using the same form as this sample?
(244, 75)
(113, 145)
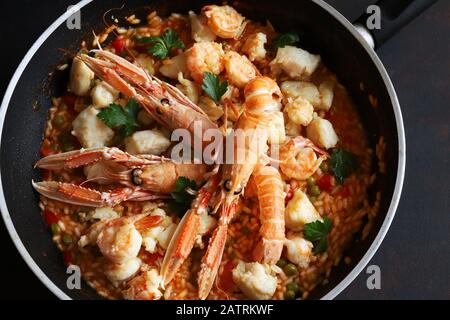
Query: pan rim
(40, 274)
(349, 278)
(356, 269)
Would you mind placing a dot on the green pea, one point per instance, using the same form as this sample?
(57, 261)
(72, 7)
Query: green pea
(58, 121)
(55, 229)
(293, 286)
(282, 263)
(290, 269)
(289, 295)
(68, 147)
(67, 239)
(314, 191)
(311, 182)
(245, 231)
(312, 199)
(324, 167)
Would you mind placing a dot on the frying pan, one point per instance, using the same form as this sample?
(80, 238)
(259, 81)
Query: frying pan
(323, 30)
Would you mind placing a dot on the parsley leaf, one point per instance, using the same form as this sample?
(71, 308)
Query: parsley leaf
(343, 163)
(286, 39)
(160, 47)
(317, 233)
(121, 119)
(213, 87)
(181, 198)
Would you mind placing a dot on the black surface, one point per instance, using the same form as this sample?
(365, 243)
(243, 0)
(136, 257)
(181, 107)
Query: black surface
(412, 258)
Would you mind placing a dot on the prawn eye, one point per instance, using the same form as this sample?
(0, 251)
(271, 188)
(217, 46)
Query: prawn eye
(228, 185)
(135, 176)
(165, 102)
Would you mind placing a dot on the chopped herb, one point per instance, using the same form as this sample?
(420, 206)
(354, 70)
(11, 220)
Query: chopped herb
(317, 233)
(160, 47)
(181, 197)
(213, 87)
(122, 119)
(342, 164)
(286, 39)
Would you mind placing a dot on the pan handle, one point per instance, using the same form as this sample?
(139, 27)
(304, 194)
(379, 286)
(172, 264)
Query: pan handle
(394, 16)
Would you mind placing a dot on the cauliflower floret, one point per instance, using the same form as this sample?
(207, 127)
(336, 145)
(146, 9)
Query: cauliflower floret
(191, 89)
(103, 95)
(255, 280)
(295, 89)
(146, 62)
(117, 273)
(254, 46)
(295, 62)
(326, 90)
(321, 132)
(208, 105)
(159, 235)
(80, 78)
(200, 30)
(300, 211)
(300, 111)
(147, 142)
(277, 134)
(90, 130)
(144, 287)
(104, 213)
(299, 250)
(174, 66)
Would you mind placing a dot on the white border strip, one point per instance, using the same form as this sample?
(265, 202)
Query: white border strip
(330, 295)
(4, 107)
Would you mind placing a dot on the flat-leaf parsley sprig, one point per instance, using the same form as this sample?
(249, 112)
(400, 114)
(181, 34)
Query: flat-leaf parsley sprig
(160, 47)
(317, 233)
(121, 119)
(213, 87)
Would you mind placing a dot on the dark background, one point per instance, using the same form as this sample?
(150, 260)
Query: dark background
(414, 258)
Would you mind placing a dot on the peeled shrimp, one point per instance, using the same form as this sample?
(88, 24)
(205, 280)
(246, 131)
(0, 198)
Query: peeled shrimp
(239, 69)
(116, 273)
(298, 158)
(224, 21)
(120, 239)
(205, 56)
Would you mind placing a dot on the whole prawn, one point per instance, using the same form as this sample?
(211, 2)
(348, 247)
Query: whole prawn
(263, 98)
(164, 102)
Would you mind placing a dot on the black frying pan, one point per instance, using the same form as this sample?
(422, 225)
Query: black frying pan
(323, 30)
